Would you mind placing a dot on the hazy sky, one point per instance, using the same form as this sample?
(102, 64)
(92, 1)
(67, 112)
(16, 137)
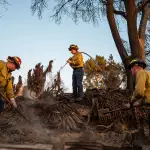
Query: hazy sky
(34, 40)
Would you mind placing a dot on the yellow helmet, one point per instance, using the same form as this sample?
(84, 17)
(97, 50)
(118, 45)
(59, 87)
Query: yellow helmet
(73, 47)
(138, 62)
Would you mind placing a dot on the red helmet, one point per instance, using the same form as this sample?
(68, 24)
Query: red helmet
(16, 60)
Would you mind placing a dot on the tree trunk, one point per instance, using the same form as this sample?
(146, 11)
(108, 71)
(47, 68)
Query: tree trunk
(130, 81)
(142, 29)
(131, 11)
(113, 27)
(120, 47)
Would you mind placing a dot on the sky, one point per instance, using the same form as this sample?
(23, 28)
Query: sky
(23, 34)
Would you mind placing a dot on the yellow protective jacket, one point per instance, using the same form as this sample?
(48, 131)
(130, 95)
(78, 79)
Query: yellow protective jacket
(77, 60)
(6, 80)
(142, 87)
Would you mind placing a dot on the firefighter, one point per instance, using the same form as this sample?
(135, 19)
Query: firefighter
(141, 94)
(76, 62)
(6, 86)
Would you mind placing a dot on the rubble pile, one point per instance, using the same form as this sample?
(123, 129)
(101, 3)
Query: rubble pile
(59, 120)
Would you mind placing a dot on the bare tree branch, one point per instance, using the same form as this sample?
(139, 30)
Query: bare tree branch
(123, 14)
(4, 3)
(103, 2)
(115, 33)
(142, 5)
(143, 22)
(39, 6)
(62, 6)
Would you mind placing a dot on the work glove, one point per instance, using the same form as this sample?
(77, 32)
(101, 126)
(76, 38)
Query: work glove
(137, 103)
(12, 100)
(69, 61)
(128, 105)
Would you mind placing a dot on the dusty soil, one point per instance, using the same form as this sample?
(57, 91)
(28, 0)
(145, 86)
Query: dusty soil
(57, 122)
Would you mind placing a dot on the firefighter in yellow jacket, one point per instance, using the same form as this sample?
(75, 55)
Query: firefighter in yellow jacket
(6, 86)
(141, 93)
(76, 62)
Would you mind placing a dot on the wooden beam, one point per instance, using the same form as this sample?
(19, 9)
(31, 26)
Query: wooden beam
(26, 146)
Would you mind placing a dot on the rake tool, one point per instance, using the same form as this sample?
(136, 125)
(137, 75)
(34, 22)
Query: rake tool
(7, 100)
(119, 109)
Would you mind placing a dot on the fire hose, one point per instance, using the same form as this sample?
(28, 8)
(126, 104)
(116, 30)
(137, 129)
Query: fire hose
(7, 100)
(67, 63)
(96, 64)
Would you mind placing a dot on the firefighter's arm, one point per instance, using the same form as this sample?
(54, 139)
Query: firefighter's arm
(69, 60)
(10, 93)
(138, 94)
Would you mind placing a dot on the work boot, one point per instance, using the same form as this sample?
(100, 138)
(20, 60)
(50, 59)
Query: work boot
(79, 99)
(73, 99)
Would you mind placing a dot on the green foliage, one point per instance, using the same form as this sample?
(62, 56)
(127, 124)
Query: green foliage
(95, 65)
(102, 73)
